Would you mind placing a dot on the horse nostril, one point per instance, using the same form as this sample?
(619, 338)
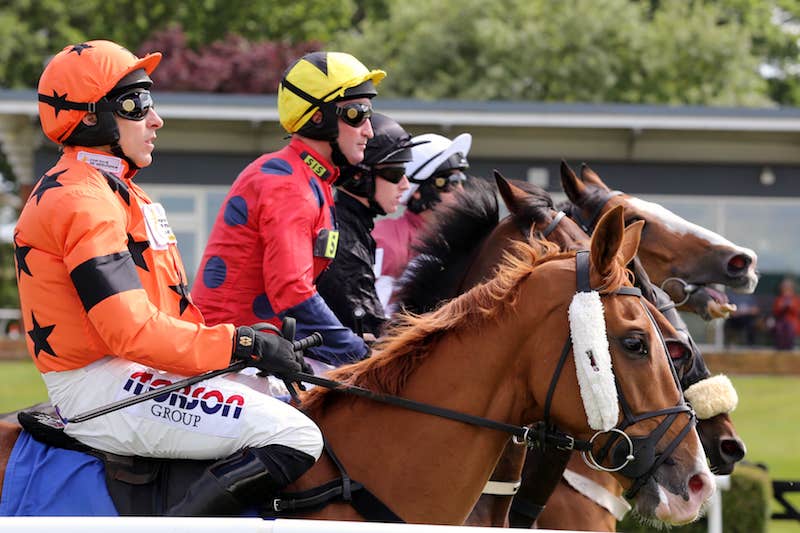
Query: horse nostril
(696, 483)
(739, 263)
(732, 450)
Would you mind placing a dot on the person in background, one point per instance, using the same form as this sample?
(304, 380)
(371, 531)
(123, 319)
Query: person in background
(364, 191)
(786, 313)
(105, 305)
(276, 230)
(743, 324)
(436, 171)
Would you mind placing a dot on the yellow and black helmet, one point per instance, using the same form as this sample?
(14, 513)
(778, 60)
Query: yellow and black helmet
(315, 82)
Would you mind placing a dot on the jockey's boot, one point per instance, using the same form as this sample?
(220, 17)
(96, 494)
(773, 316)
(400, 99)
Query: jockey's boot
(246, 479)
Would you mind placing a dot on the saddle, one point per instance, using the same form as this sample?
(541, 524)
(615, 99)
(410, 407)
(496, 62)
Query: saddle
(144, 486)
(138, 486)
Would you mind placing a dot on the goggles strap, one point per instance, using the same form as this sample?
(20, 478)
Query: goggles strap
(62, 104)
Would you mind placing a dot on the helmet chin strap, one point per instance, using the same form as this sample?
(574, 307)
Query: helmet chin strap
(337, 156)
(375, 206)
(116, 149)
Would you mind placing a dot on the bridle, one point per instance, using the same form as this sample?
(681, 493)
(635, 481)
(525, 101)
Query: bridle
(635, 457)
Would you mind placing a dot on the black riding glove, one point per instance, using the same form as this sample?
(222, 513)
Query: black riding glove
(271, 353)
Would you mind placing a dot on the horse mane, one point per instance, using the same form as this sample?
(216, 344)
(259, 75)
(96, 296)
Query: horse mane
(410, 337)
(446, 247)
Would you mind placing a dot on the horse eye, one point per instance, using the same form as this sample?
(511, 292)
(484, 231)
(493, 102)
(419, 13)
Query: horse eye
(635, 345)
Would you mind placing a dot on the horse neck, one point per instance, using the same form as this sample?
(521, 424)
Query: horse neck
(400, 454)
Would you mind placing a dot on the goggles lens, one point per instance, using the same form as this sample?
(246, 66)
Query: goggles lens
(354, 114)
(391, 174)
(134, 105)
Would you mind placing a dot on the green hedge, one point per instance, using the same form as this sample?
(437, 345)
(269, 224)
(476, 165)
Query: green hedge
(745, 506)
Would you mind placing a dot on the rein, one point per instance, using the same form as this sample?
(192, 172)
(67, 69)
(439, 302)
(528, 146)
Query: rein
(520, 434)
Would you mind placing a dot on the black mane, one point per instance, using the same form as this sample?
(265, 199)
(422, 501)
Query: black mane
(446, 247)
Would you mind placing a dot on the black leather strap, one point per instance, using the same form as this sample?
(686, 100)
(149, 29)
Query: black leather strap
(582, 271)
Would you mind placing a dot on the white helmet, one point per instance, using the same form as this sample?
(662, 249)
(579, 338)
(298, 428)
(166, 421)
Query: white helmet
(428, 157)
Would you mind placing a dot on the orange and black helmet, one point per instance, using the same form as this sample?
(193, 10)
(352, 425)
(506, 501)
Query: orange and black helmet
(78, 80)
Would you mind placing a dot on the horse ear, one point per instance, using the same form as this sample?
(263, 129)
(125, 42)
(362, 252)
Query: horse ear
(607, 240)
(590, 176)
(510, 193)
(630, 241)
(573, 187)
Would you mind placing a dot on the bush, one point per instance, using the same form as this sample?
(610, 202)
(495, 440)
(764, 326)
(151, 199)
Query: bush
(231, 65)
(745, 506)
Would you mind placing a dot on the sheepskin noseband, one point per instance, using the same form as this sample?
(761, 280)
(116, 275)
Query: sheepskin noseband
(712, 396)
(593, 360)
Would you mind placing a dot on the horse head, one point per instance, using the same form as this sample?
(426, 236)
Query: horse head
(521, 317)
(682, 257)
(532, 210)
(667, 473)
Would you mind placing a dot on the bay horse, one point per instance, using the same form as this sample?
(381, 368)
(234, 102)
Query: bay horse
(451, 240)
(409, 460)
(681, 257)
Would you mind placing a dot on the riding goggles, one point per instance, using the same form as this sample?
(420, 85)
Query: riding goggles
(354, 114)
(446, 180)
(391, 174)
(133, 105)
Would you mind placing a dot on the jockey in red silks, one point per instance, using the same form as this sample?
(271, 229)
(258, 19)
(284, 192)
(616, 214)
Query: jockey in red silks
(276, 230)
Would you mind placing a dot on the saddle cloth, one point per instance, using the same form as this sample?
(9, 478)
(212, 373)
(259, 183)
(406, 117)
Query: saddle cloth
(42, 480)
(52, 474)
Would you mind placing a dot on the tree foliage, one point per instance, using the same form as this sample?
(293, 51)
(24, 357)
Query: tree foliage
(549, 50)
(33, 30)
(710, 52)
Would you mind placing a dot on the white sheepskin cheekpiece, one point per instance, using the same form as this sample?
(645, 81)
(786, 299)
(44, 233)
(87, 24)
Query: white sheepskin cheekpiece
(712, 396)
(593, 360)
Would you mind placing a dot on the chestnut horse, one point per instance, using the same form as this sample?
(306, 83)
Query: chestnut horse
(409, 460)
(523, 306)
(532, 210)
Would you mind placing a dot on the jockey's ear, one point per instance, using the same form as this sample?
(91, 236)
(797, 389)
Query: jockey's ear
(630, 241)
(573, 187)
(607, 241)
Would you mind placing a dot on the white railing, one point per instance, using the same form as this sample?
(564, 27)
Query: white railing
(138, 524)
(715, 505)
(158, 524)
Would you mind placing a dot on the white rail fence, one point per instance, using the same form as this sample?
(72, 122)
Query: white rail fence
(137, 524)
(159, 524)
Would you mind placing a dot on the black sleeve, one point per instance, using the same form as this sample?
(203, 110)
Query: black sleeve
(349, 282)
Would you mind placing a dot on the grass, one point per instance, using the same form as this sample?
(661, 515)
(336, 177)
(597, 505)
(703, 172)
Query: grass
(20, 385)
(767, 418)
(768, 421)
